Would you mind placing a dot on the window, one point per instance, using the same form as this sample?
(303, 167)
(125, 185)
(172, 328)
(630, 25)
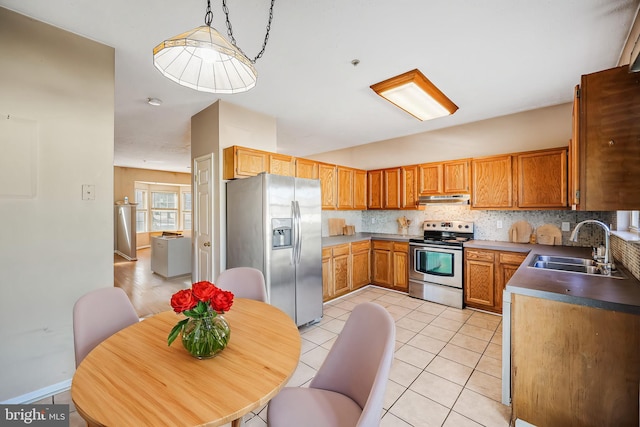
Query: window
(141, 210)
(164, 210)
(186, 208)
(634, 221)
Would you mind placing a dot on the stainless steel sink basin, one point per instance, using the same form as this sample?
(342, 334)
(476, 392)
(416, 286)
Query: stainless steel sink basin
(572, 265)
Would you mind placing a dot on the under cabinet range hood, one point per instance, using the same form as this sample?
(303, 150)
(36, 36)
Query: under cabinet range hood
(449, 199)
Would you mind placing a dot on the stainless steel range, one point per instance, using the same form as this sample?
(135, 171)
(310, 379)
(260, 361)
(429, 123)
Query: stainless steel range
(436, 262)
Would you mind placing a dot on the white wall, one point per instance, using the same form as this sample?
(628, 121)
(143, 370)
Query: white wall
(530, 130)
(54, 247)
(215, 128)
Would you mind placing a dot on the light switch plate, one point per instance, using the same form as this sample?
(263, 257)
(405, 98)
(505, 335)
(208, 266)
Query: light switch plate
(499, 224)
(88, 192)
(566, 226)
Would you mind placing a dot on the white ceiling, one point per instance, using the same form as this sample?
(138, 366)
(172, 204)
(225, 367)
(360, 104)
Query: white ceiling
(491, 57)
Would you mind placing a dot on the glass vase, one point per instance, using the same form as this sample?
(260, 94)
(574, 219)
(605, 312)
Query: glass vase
(205, 337)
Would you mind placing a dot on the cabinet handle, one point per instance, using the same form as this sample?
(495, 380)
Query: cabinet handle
(611, 143)
(207, 244)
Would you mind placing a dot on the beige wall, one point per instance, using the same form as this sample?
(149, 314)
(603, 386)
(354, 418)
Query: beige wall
(124, 180)
(530, 130)
(213, 129)
(55, 246)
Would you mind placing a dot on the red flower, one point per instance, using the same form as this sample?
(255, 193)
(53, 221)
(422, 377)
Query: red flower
(222, 301)
(204, 291)
(183, 300)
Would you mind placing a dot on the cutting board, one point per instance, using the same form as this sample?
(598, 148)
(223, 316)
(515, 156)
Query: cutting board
(549, 234)
(520, 232)
(336, 226)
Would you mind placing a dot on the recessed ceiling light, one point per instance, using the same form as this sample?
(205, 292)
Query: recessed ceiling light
(154, 101)
(416, 95)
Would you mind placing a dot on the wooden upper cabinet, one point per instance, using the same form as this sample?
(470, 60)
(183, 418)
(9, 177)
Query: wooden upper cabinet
(542, 179)
(391, 189)
(345, 187)
(574, 153)
(492, 182)
(374, 189)
(609, 135)
(240, 162)
(456, 177)
(306, 169)
(430, 179)
(280, 164)
(328, 185)
(409, 190)
(444, 178)
(360, 189)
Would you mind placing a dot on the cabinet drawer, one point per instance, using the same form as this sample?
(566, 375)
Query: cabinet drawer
(383, 244)
(479, 255)
(341, 250)
(326, 253)
(512, 258)
(401, 247)
(360, 246)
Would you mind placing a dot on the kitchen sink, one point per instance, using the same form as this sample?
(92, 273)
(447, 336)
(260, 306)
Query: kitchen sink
(572, 265)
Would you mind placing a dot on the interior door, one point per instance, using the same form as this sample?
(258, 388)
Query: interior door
(203, 218)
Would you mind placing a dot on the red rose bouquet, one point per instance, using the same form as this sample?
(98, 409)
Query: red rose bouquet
(203, 331)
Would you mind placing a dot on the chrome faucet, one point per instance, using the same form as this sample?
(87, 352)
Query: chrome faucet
(607, 232)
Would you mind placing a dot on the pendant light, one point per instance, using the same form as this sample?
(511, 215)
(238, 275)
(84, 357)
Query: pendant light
(202, 59)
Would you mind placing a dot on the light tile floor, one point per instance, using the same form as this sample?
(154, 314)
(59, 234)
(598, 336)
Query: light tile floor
(446, 370)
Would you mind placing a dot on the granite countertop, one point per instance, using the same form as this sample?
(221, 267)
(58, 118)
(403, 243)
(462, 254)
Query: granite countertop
(338, 240)
(582, 289)
(499, 246)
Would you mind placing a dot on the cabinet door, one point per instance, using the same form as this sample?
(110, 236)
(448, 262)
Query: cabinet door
(409, 175)
(479, 284)
(391, 188)
(240, 162)
(279, 164)
(306, 169)
(360, 189)
(341, 269)
(456, 177)
(374, 188)
(401, 266)
(609, 140)
(382, 263)
(492, 182)
(430, 179)
(327, 275)
(327, 174)
(345, 187)
(508, 263)
(542, 179)
(360, 264)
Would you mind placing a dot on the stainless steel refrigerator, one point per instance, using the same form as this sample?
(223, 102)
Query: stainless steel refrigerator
(125, 231)
(273, 224)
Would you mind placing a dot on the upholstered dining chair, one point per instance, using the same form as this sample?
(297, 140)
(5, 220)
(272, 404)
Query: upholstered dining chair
(349, 388)
(97, 315)
(244, 282)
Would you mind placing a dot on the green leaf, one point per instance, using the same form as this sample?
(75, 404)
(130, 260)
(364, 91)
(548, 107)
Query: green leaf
(175, 331)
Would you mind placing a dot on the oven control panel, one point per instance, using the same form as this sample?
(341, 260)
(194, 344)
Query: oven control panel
(459, 226)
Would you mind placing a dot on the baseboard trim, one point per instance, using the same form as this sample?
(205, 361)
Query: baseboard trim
(34, 396)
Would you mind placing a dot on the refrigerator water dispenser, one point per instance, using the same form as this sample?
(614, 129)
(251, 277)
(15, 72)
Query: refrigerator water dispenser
(281, 232)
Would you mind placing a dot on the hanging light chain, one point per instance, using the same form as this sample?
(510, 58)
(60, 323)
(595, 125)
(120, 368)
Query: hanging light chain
(208, 17)
(230, 30)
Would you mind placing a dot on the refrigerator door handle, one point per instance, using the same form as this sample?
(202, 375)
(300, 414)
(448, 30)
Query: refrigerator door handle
(298, 230)
(294, 232)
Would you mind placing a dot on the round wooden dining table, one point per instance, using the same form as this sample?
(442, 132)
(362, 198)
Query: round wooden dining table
(134, 379)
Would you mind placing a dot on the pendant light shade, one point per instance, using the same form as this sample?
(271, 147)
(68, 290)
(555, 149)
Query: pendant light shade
(205, 61)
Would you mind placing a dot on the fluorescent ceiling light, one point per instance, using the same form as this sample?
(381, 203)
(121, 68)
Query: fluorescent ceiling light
(416, 95)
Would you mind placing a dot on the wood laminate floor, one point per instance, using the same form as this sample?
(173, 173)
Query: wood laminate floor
(149, 292)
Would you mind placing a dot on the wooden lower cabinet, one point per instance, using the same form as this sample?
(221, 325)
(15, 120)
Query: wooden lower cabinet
(486, 275)
(345, 268)
(360, 264)
(573, 365)
(390, 264)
